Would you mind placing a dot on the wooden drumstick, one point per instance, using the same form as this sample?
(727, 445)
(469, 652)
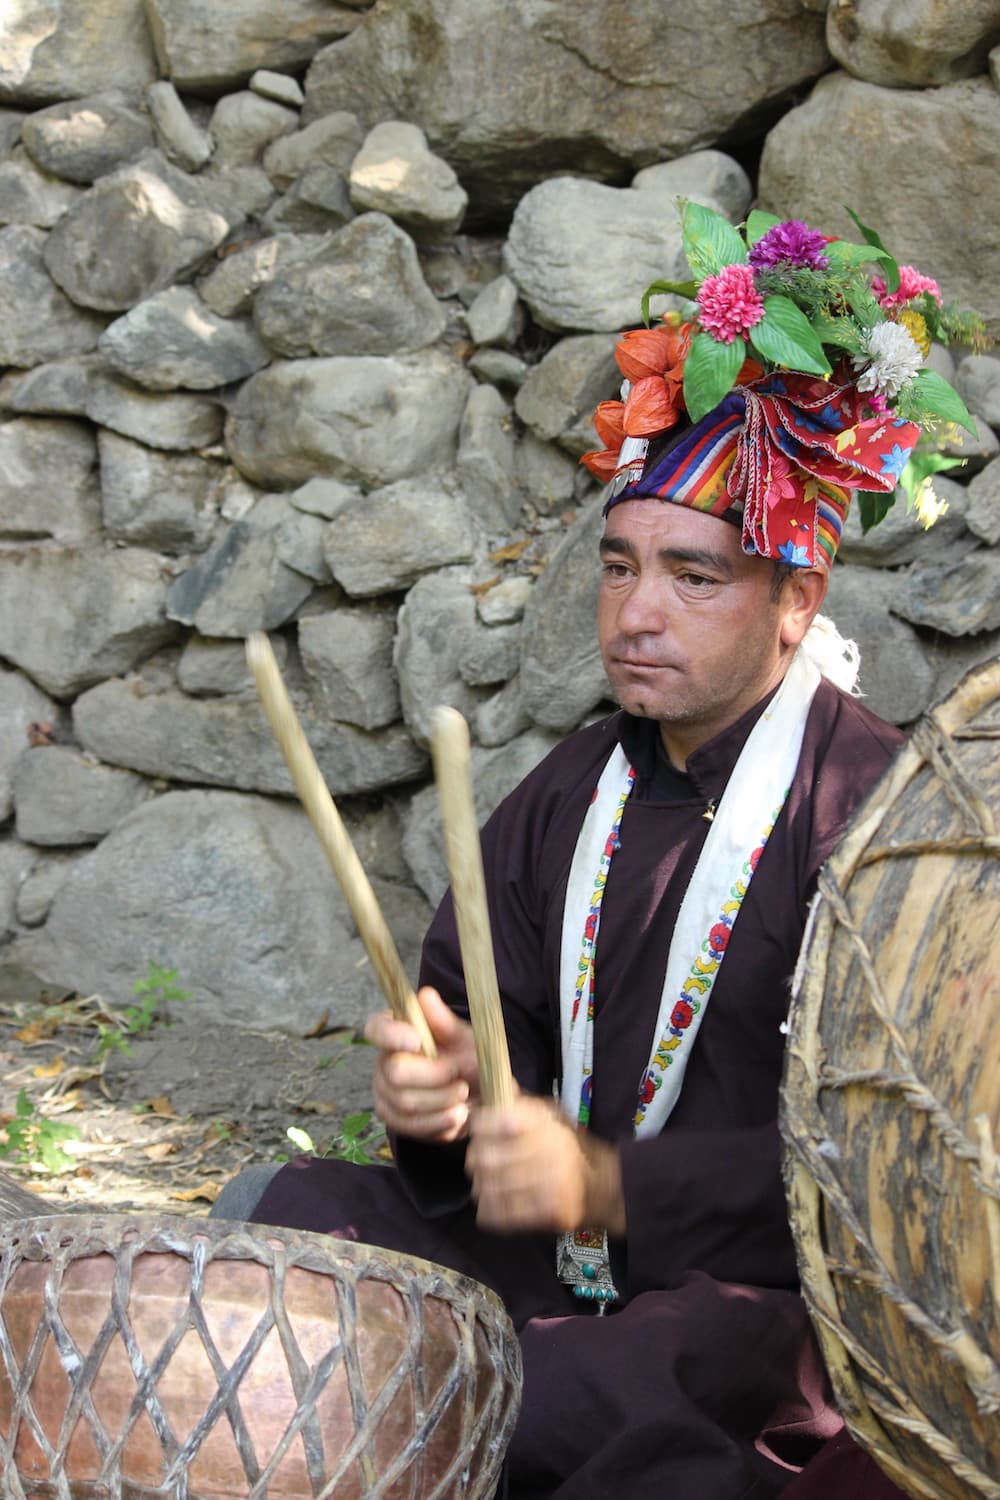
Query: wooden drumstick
(333, 836)
(450, 750)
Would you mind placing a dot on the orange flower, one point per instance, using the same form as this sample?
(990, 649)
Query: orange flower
(609, 422)
(652, 407)
(654, 351)
(750, 370)
(602, 463)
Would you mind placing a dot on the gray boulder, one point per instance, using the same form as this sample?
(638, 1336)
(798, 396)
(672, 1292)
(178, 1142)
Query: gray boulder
(361, 293)
(249, 579)
(435, 624)
(70, 618)
(505, 601)
(10, 129)
(332, 141)
(63, 797)
(563, 389)
(562, 676)
(317, 202)
(21, 705)
(708, 177)
(133, 233)
(47, 479)
(277, 86)
(243, 125)
(166, 501)
(366, 419)
(227, 742)
(958, 597)
(897, 679)
(486, 468)
(172, 339)
(234, 891)
(229, 288)
(175, 422)
(57, 388)
(395, 173)
(622, 240)
(66, 50)
(921, 44)
(39, 886)
(217, 44)
(495, 316)
(178, 136)
(954, 134)
(347, 656)
(31, 196)
(16, 861)
(546, 475)
(490, 655)
(498, 367)
(84, 139)
(502, 717)
(977, 380)
(214, 669)
(38, 322)
(983, 514)
(512, 94)
(382, 542)
(495, 773)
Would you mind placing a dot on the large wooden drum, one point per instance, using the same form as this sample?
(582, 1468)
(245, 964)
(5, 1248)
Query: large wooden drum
(149, 1357)
(891, 1107)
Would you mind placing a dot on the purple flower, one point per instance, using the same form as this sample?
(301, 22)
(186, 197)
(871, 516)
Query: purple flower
(791, 243)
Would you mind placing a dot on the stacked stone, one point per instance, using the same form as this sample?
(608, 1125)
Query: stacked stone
(303, 311)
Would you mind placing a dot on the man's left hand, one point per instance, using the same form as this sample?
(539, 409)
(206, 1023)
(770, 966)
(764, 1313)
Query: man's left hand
(531, 1170)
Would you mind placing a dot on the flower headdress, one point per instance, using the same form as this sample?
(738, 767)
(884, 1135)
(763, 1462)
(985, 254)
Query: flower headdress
(797, 379)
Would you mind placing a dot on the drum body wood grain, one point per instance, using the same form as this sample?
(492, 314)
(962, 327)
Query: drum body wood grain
(891, 1107)
(163, 1357)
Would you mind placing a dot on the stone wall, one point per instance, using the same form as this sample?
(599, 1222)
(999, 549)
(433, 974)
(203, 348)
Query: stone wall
(303, 310)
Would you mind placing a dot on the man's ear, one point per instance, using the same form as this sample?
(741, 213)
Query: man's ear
(801, 598)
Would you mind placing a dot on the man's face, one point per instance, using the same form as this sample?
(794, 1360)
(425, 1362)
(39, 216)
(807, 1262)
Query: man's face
(689, 631)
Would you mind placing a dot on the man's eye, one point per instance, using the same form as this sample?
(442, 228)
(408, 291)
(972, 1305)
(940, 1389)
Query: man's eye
(698, 580)
(614, 569)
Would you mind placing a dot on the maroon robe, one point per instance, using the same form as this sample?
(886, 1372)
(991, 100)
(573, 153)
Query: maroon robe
(704, 1381)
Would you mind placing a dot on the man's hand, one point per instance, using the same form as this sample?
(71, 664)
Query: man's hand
(419, 1096)
(531, 1170)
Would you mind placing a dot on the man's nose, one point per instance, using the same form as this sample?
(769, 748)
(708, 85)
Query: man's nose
(643, 609)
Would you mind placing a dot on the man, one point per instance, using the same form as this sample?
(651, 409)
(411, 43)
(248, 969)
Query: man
(648, 886)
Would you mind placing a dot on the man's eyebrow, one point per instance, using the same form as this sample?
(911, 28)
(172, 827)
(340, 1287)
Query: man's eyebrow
(699, 557)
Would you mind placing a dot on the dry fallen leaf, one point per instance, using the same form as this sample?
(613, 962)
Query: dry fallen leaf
(50, 1069)
(160, 1150)
(36, 1031)
(162, 1107)
(511, 552)
(479, 589)
(207, 1190)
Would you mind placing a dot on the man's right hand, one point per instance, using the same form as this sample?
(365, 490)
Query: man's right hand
(426, 1098)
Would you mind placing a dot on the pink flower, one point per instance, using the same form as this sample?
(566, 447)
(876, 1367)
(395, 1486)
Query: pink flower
(911, 284)
(729, 303)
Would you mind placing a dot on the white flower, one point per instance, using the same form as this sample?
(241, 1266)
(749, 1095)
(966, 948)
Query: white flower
(892, 357)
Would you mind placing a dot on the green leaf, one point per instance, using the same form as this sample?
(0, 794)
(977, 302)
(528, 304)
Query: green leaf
(710, 241)
(687, 289)
(758, 223)
(891, 268)
(929, 396)
(838, 331)
(873, 507)
(356, 1124)
(24, 1108)
(785, 337)
(710, 373)
(843, 253)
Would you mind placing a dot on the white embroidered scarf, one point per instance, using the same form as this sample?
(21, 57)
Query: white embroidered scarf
(754, 796)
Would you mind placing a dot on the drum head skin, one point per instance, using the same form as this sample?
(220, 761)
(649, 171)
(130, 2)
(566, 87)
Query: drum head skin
(891, 1107)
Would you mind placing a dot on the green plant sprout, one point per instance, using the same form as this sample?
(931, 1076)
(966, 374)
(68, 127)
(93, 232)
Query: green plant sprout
(33, 1139)
(156, 992)
(358, 1140)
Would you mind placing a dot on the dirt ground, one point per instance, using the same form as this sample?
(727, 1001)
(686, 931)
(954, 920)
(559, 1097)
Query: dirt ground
(161, 1127)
